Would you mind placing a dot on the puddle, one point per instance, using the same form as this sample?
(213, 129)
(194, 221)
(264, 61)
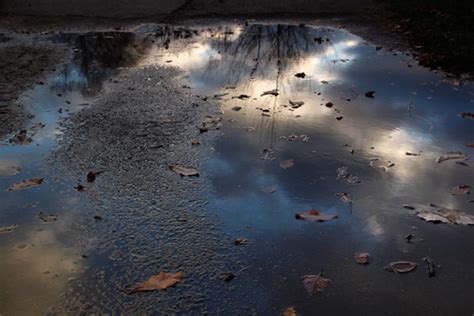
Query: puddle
(413, 110)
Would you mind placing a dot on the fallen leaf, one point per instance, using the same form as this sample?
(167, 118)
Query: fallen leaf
(467, 115)
(446, 215)
(412, 154)
(401, 267)
(370, 94)
(185, 170)
(430, 266)
(160, 281)
(324, 82)
(9, 171)
(344, 175)
(241, 241)
(300, 75)
(290, 311)
(21, 138)
(344, 197)
(242, 97)
(273, 92)
(452, 155)
(470, 145)
(315, 283)
(25, 184)
(270, 189)
(314, 216)
(7, 229)
(461, 190)
(268, 154)
(226, 276)
(432, 217)
(47, 218)
(236, 108)
(296, 104)
(361, 257)
(285, 164)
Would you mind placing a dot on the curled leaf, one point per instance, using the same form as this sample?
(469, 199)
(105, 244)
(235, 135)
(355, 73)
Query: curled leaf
(25, 184)
(314, 216)
(401, 266)
(183, 170)
(430, 266)
(446, 215)
(160, 281)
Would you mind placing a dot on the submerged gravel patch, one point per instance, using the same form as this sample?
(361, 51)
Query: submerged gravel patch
(142, 217)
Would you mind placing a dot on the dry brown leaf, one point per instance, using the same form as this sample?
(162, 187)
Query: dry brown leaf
(361, 257)
(315, 283)
(7, 229)
(461, 190)
(446, 215)
(401, 266)
(183, 170)
(285, 164)
(452, 155)
(314, 216)
(160, 281)
(25, 184)
(9, 171)
(344, 175)
(290, 311)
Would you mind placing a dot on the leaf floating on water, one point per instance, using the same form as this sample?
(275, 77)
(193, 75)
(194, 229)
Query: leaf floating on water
(344, 175)
(236, 108)
(270, 189)
(160, 281)
(7, 229)
(430, 266)
(241, 241)
(412, 154)
(9, 171)
(324, 82)
(361, 257)
(315, 283)
(446, 215)
(300, 75)
(401, 267)
(268, 154)
(468, 115)
(21, 138)
(273, 92)
(329, 105)
(242, 97)
(285, 164)
(290, 311)
(47, 218)
(370, 94)
(183, 170)
(344, 197)
(461, 190)
(452, 155)
(314, 216)
(296, 104)
(25, 184)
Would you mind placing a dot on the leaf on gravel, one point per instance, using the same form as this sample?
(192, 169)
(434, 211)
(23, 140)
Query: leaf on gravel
(315, 283)
(270, 189)
(401, 266)
(344, 197)
(290, 311)
(25, 184)
(452, 155)
(242, 97)
(446, 215)
(314, 216)
(361, 257)
(344, 175)
(47, 218)
(296, 104)
(370, 94)
(241, 241)
(160, 281)
(461, 190)
(285, 164)
(183, 170)
(9, 171)
(273, 92)
(7, 229)
(300, 75)
(467, 115)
